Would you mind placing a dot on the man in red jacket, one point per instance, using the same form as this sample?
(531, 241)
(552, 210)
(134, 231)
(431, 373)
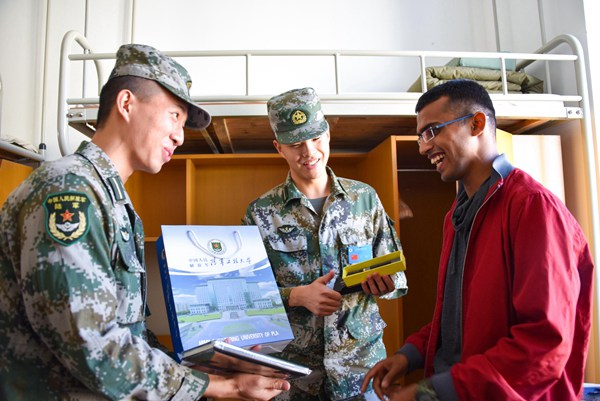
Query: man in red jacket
(513, 310)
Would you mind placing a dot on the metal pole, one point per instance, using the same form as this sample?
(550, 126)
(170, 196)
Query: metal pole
(496, 29)
(543, 36)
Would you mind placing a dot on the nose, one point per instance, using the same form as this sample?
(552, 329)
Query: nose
(424, 147)
(178, 136)
(307, 148)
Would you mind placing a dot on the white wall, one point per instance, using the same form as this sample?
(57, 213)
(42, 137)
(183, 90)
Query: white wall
(19, 65)
(262, 24)
(223, 24)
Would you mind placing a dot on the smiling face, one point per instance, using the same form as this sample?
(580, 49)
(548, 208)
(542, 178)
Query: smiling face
(156, 129)
(454, 148)
(307, 160)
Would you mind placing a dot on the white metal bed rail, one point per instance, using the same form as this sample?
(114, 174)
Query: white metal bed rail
(335, 54)
(249, 96)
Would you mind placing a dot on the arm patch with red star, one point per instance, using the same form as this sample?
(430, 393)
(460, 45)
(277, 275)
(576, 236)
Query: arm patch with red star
(67, 219)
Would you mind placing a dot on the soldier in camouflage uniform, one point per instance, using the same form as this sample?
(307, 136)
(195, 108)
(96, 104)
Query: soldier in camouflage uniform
(72, 273)
(313, 225)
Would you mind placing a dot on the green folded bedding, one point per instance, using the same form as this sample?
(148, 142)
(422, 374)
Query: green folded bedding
(490, 79)
(491, 63)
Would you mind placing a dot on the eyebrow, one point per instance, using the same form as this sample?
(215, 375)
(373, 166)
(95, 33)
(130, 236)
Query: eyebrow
(427, 126)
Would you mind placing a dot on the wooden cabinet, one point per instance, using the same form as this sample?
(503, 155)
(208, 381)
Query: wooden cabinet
(215, 190)
(11, 175)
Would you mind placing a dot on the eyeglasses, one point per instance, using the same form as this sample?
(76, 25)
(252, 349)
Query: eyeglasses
(429, 133)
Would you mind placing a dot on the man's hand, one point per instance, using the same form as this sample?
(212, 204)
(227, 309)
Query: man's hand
(384, 374)
(375, 284)
(399, 393)
(316, 296)
(244, 386)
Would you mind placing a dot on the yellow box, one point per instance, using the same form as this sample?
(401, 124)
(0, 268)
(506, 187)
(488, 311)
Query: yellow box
(384, 265)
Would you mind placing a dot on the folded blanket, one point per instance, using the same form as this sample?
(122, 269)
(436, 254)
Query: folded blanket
(491, 80)
(492, 63)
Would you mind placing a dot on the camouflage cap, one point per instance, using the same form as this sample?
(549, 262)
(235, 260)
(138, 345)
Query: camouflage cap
(296, 116)
(147, 62)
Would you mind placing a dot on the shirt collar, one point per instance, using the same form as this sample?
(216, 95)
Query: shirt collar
(501, 168)
(292, 192)
(105, 168)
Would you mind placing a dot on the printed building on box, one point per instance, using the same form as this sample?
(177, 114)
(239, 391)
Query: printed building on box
(218, 285)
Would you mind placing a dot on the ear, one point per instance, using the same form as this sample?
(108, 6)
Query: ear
(277, 146)
(124, 104)
(478, 124)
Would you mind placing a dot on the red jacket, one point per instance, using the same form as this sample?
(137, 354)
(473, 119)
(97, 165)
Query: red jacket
(527, 298)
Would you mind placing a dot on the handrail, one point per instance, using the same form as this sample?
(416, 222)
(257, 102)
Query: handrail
(19, 151)
(337, 54)
(248, 55)
(68, 39)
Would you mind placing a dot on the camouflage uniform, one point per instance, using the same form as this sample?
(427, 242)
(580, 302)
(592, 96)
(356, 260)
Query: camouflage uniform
(303, 246)
(73, 299)
(73, 279)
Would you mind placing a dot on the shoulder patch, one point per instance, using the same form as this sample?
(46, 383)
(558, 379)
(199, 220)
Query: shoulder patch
(67, 216)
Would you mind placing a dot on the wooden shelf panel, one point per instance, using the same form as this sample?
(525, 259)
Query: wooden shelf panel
(216, 189)
(159, 198)
(11, 175)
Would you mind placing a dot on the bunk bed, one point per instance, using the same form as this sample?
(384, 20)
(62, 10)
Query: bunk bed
(374, 125)
(240, 124)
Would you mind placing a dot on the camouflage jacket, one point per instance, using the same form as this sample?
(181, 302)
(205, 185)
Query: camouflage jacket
(73, 291)
(303, 246)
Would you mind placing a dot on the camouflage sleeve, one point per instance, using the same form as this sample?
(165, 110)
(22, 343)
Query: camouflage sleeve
(285, 295)
(84, 300)
(248, 220)
(387, 241)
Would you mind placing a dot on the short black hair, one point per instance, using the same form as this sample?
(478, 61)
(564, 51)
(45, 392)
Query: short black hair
(141, 87)
(464, 95)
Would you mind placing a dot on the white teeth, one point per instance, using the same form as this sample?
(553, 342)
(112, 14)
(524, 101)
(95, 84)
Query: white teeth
(437, 159)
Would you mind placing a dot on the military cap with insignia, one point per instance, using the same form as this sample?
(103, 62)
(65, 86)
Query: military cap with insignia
(296, 116)
(147, 62)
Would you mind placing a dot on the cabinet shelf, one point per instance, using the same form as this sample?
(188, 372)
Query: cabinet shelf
(216, 189)
(211, 189)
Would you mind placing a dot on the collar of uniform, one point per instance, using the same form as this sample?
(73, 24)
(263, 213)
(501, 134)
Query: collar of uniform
(105, 168)
(337, 187)
(291, 192)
